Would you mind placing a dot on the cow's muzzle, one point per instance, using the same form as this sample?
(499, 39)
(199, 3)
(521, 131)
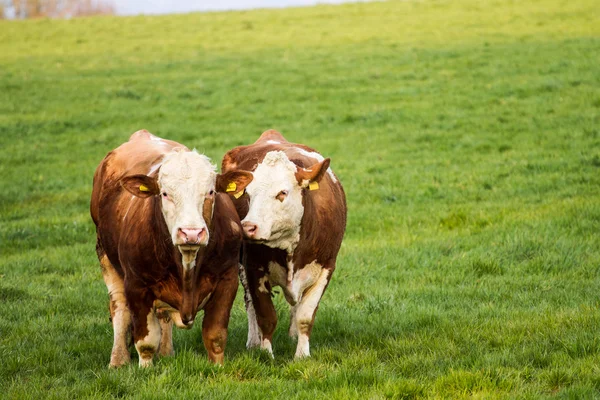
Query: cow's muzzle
(187, 320)
(253, 233)
(250, 229)
(192, 237)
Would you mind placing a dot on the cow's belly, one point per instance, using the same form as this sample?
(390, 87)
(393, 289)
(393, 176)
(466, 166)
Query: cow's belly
(293, 284)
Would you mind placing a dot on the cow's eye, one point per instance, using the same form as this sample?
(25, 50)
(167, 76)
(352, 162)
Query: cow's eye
(165, 195)
(211, 192)
(281, 195)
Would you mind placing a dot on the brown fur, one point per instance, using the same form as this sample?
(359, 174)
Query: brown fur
(140, 248)
(322, 227)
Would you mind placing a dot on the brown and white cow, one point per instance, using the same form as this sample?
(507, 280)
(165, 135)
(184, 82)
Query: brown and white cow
(294, 218)
(168, 243)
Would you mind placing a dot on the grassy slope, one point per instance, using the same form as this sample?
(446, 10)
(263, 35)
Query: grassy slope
(466, 133)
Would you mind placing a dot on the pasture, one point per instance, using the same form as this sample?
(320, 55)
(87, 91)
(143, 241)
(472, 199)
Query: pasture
(466, 134)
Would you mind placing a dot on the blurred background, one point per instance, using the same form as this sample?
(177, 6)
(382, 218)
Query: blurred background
(21, 9)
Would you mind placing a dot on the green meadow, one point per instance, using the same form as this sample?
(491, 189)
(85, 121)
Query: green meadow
(466, 135)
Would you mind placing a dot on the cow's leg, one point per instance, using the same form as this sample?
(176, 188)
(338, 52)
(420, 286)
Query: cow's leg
(119, 312)
(266, 317)
(166, 338)
(254, 336)
(216, 316)
(146, 326)
(306, 310)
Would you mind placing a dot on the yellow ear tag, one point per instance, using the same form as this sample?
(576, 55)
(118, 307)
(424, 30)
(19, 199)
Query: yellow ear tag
(313, 185)
(231, 187)
(144, 188)
(239, 194)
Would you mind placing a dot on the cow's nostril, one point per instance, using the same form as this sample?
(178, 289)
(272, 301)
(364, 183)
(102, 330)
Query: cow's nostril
(191, 235)
(249, 228)
(187, 319)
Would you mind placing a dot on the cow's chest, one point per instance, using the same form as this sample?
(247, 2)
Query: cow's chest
(294, 284)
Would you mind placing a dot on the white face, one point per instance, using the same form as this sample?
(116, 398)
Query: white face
(275, 202)
(187, 182)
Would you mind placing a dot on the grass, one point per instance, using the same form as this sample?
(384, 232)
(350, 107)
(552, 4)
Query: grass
(466, 134)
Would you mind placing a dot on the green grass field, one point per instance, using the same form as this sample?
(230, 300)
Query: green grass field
(466, 134)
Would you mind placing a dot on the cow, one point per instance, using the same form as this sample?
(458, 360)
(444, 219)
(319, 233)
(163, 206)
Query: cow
(294, 216)
(168, 242)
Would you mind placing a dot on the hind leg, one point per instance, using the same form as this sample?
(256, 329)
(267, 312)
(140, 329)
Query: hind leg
(119, 313)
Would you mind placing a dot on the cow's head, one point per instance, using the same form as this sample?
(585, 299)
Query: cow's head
(276, 208)
(186, 183)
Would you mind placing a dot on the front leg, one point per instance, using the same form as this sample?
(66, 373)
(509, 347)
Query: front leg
(216, 316)
(119, 313)
(146, 326)
(303, 314)
(263, 320)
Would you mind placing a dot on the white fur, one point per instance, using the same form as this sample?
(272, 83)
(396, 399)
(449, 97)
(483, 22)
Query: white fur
(154, 168)
(319, 158)
(303, 347)
(305, 311)
(261, 284)
(158, 141)
(303, 291)
(187, 177)
(152, 339)
(273, 142)
(254, 335)
(278, 222)
(266, 345)
(305, 278)
(121, 319)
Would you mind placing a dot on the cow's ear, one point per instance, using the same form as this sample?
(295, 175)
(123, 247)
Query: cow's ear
(314, 173)
(140, 185)
(233, 181)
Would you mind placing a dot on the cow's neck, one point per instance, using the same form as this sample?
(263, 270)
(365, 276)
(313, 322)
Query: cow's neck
(287, 243)
(190, 268)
